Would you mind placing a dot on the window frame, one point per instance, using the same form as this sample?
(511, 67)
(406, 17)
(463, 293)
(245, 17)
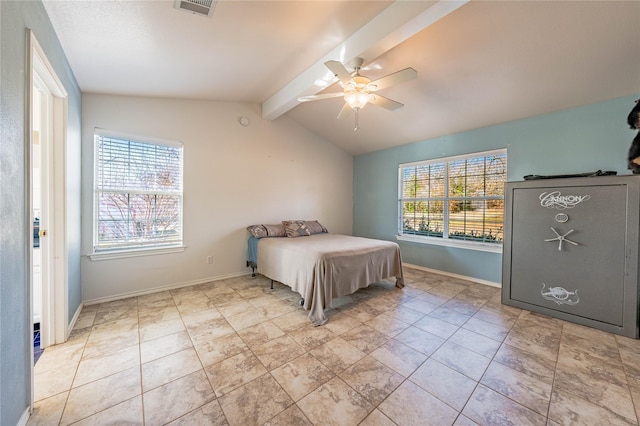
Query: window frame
(133, 249)
(445, 239)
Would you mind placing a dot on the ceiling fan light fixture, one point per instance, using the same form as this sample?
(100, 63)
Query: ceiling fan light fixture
(356, 88)
(356, 99)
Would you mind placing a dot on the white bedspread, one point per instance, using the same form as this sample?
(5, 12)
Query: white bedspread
(322, 267)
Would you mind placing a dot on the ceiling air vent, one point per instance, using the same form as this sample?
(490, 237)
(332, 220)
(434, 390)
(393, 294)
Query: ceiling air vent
(197, 7)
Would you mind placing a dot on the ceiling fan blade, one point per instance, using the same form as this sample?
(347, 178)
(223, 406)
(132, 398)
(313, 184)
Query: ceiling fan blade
(339, 71)
(345, 111)
(383, 102)
(319, 97)
(392, 79)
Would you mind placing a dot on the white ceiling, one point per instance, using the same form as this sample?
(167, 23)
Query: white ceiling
(479, 63)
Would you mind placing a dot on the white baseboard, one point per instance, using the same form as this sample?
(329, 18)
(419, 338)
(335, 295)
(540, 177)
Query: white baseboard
(163, 288)
(449, 274)
(25, 417)
(73, 321)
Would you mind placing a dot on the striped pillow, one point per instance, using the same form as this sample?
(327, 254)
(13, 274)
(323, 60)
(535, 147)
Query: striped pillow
(261, 231)
(315, 227)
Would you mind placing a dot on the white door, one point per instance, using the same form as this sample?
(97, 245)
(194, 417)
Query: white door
(47, 196)
(40, 166)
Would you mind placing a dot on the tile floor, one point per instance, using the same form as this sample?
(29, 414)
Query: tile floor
(440, 351)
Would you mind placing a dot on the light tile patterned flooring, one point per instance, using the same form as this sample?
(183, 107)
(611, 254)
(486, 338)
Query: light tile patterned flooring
(440, 351)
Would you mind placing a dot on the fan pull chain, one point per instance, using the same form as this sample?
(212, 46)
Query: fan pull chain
(357, 120)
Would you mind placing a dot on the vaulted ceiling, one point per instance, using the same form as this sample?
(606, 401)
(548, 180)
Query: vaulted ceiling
(479, 63)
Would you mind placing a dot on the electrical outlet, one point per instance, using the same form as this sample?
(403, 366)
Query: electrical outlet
(209, 260)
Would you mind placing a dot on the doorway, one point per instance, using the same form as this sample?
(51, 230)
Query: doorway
(47, 200)
(40, 112)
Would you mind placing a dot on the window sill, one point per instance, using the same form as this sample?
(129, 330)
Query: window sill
(121, 254)
(448, 242)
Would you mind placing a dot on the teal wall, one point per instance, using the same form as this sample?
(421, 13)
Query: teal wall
(15, 339)
(584, 139)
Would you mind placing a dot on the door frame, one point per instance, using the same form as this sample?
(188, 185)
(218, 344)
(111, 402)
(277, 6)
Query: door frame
(55, 295)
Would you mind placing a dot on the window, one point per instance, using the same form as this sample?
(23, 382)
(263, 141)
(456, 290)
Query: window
(138, 193)
(456, 200)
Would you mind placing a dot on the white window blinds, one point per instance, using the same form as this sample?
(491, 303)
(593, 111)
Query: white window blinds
(459, 198)
(138, 192)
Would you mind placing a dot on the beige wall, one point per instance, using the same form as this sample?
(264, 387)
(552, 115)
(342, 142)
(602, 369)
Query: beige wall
(234, 176)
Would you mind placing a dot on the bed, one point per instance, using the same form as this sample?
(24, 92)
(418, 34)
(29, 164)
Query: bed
(324, 266)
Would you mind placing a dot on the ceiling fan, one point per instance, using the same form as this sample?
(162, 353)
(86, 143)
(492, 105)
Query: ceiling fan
(358, 89)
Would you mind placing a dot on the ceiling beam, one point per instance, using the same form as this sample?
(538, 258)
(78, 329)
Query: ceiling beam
(395, 24)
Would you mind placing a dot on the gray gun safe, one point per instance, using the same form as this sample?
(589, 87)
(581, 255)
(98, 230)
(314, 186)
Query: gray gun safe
(571, 250)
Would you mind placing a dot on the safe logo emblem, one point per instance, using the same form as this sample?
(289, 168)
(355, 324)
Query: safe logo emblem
(560, 295)
(555, 200)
